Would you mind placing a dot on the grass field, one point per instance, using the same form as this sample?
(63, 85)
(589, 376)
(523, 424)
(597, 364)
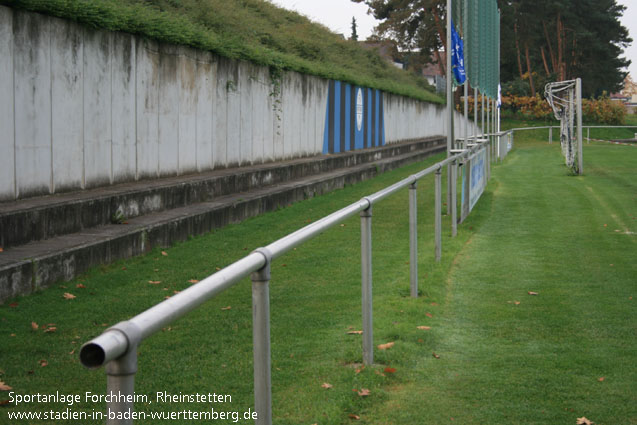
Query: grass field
(502, 356)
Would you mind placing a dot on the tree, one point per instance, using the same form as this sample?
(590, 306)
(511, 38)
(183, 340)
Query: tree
(417, 26)
(540, 40)
(556, 40)
(354, 33)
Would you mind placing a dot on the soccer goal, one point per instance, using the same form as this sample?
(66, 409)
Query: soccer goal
(565, 97)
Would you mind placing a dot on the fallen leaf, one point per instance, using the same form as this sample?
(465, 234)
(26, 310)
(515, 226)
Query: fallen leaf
(342, 225)
(226, 308)
(72, 351)
(34, 326)
(583, 420)
(13, 305)
(359, 370)
(612, 265)
(355, 332)
(154, 282)
(4, 387)
(43, 363)
(217, 268)
(353, 416)
(164, 253)
(516, 302)
(424, 328)
(605, 225)
(532, 293)
(378, 372)
(12, 335)
(364, 392)
(51, 329)
(79, 285)
(166, 297)
(123, 268)
(390, 369)
(434, 303)
(4, 402)
(176, 292)
(193, 281)
(386, 346)
(420, 340)
(68, 296)
(601, 379)
(326, 385)
(429, 315)
(436, 355)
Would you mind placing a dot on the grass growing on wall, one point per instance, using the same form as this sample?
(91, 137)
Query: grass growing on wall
(252, 30)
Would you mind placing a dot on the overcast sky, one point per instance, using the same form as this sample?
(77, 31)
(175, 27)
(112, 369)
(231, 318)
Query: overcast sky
(337, 15)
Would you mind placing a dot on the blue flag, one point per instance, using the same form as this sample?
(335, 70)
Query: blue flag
(457, 56)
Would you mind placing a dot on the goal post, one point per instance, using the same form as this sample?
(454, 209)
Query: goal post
(565, 98)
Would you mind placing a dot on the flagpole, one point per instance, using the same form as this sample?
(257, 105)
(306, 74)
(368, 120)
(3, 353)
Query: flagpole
(449, 102)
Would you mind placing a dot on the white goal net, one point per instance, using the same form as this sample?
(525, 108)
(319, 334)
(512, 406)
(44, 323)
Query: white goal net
(566, 100)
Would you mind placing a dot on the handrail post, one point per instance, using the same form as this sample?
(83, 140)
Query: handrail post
(438, 207)
(454, 198)
(413, 239)
(488, 155)
(366, 285)
(120, 378)
(261, 341)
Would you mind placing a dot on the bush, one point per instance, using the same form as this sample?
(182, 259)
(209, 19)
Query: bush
(594, 111)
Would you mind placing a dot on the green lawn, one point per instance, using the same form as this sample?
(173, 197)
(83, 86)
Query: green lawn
(505, 357)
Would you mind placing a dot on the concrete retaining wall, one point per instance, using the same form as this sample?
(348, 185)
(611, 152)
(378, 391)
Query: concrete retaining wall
(82, 108)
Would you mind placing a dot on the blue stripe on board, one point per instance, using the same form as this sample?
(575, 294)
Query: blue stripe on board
(368, 101)
(348, 118)
(377, 117)
(382, 119)
(337, 116)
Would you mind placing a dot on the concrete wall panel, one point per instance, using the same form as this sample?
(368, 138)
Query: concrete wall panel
(205, 90)
(187, 66)
(220, 113)
(247, 75)
(32, 126)
(97, 108)
(67, 104)
(259, 113)
(123, 111)
(321, 106)
(147, 107)
(269, 130)
(7, 139)
(168, 110)
(233, 122)
(278, 121)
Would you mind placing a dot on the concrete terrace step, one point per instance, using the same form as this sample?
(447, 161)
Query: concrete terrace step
(49, 216)
(38, 264)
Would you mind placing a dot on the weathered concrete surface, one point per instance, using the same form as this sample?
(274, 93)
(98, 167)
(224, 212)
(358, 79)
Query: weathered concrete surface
(83, 108)
(36, 265)
(46, 217)
(7, 156)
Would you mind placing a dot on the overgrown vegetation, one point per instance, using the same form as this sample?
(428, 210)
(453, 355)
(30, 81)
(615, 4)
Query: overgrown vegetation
(594, 111)
(252, 30)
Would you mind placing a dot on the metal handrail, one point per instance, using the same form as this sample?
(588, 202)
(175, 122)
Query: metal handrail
(117, 346)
